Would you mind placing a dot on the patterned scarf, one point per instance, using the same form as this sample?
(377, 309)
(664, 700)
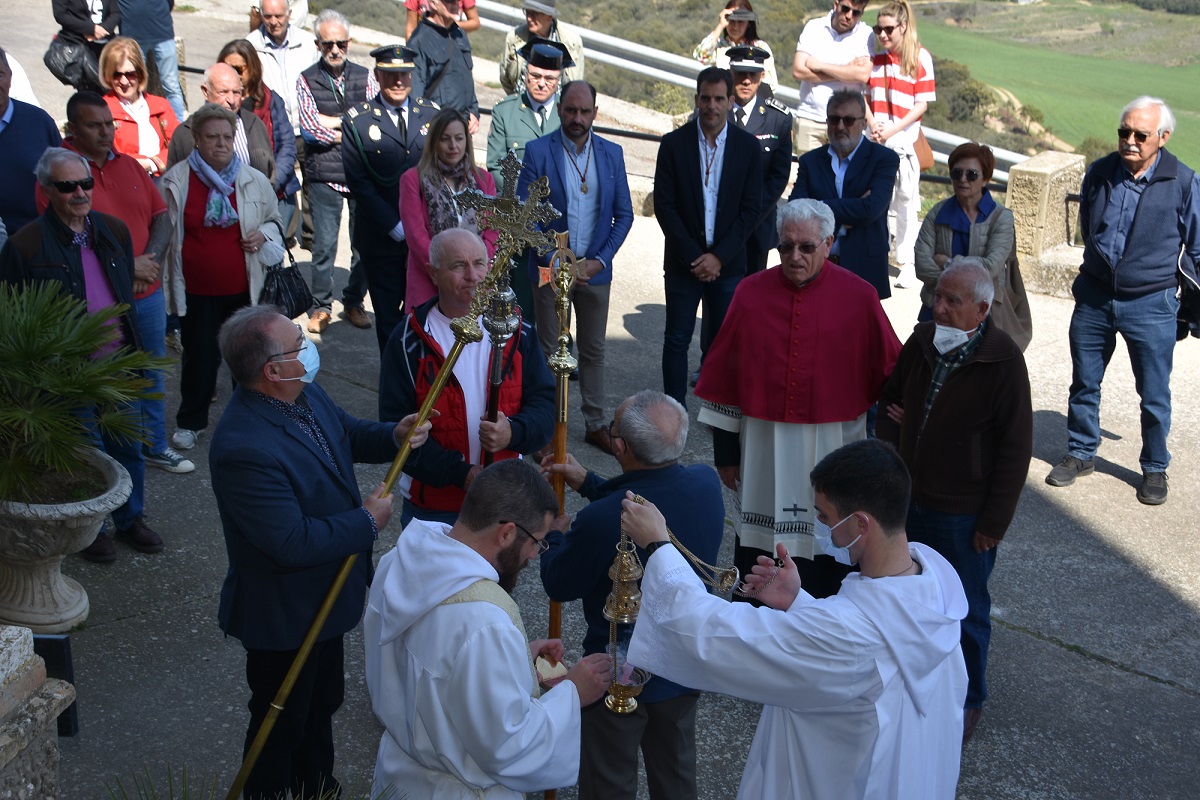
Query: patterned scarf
(218, 211)
(442, 205)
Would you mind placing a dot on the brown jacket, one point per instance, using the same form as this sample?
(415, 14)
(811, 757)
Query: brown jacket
(973, 454)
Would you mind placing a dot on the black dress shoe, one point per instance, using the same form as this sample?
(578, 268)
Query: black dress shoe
(101, 551)
(600, 438)
(141, 537)
(970, 722)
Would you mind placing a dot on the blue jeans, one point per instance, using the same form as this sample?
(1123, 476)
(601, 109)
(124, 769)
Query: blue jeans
(128, 453)
(1148, 326)
(167, 61)
(326, 205)
(684, 294)
(152, 327)
(952, 535)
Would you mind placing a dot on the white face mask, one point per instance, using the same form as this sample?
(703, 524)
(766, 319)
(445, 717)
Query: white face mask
(946, 338)
(310, 358)
(824, 536)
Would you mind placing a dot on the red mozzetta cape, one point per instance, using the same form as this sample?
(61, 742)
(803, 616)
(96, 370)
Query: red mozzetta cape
(810, 354)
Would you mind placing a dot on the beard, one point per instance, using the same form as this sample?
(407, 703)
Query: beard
(511, 564)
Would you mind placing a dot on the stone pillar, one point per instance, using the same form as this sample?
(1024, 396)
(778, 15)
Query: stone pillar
(29, 706)
(1046, 223)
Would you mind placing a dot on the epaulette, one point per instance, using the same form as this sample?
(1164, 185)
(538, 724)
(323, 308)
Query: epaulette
(358, 108)
(421, 101)
(775, 102)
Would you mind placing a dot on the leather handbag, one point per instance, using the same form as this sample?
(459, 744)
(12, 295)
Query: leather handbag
(923, 150)
(1011, 311)
(74, 64)
(285, 287)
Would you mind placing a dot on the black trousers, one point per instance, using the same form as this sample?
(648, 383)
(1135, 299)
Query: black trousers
(820, 577)
(298, 754)
(386, 265)
(665, 732)
(201, 355)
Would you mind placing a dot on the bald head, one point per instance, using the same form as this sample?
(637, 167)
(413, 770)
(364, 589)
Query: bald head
(223, 86)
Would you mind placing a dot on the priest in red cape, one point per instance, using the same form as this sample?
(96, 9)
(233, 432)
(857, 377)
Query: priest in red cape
(802, 356)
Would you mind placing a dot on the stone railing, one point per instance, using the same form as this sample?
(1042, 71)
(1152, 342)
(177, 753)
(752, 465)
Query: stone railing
(1046, 221)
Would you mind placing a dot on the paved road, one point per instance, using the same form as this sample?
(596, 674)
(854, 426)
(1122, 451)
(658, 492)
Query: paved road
(1095, 666)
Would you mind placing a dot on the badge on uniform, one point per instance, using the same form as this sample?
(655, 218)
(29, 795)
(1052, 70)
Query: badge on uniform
(425, 129)
(374, 133)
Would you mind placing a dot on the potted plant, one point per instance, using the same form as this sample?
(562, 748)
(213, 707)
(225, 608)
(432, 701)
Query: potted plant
(55, 487)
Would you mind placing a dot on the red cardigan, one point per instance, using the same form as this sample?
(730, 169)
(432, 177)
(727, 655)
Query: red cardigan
(125, 140)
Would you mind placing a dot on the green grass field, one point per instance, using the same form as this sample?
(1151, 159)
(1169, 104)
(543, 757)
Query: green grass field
(1080, 94)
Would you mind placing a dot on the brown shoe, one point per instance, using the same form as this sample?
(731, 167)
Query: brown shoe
(141, 537)
(101, 551)
(318, 322)
(600, 438)
(356, 316)
(970, 722)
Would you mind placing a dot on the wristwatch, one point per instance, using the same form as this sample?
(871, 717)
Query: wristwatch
(650, 548)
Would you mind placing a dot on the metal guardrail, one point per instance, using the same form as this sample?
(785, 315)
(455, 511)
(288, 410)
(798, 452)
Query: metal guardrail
(681, 71)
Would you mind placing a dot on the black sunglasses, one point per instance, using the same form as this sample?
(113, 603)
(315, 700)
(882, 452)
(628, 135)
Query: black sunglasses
(69, 187)
(1138, 136)
(327, 45)
(833, 120)
(957, 174)
(851, 10)
(884, 29)
(808, 248)
(131, 75)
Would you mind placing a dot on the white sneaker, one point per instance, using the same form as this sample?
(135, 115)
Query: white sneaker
(170, 461)
(184, 439)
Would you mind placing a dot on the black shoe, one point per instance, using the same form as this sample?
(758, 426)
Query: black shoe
(1071, 468)
(101, 551)
(141, 537)
(971, 718)
(1153, 491)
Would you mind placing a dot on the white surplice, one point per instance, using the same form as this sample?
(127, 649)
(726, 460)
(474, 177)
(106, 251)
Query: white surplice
(453, 684)
(862, 692)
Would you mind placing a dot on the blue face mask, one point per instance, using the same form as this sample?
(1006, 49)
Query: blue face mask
(824, 536)
(308, 356)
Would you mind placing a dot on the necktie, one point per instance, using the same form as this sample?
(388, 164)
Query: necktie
(740, 116)
(400, 124)
(541, 118)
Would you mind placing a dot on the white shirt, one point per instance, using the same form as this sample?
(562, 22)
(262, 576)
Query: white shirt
(711, 161)
(862, 692)
(820, 40)
(148, 142)
(582, 209)
(746, 110)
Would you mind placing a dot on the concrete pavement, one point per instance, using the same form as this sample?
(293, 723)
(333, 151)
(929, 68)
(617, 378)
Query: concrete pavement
(1095, 662)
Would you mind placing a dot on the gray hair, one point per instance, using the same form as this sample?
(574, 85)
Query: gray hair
(655, 427)
(974, 272)
(207, 113)
(845, 97)
(800, 211)
(1166, 119)
(439, 243)
(246, 343)
(53, 156)
(511, 490)
(330, 15)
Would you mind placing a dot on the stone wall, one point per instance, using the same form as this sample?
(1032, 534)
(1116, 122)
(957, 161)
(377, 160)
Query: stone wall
(1046, 221)
(29, 706)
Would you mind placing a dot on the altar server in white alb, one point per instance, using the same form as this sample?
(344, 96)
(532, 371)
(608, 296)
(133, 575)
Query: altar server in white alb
(448, 666)
(862, 692)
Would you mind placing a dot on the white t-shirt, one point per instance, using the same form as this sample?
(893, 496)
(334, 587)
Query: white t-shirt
(149, 144)
(819, 39)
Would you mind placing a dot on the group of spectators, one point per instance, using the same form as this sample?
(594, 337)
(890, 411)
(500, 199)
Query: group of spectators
(182, 216)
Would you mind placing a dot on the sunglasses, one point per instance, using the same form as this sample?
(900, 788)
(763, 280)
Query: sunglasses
(69, 187)
(885, 29)
(808, 248)
(958, 173)
(1138, 136)
(833, 120)
(130, 75)
(851, 10)
(327, 45)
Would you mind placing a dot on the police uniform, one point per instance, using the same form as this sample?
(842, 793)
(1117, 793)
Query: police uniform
(770, 122)
(375, 153)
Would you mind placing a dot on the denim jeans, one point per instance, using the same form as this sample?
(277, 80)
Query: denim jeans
(128, 453)
(167, 61)
(326, 205)
(684, 294)
(1147, 324)
(952, 535)
(152, 327)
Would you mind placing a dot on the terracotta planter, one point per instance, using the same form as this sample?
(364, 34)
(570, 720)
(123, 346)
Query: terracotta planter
(33, 541)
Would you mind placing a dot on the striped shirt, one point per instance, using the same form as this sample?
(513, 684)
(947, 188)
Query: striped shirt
(893, 94)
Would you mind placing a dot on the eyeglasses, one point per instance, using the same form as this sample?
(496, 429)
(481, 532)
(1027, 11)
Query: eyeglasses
(327, 45)
(1138, 136)
(542, 544)
(69, 187)
(808, 248)
(300, 331)
(851, 10)
(612, 434)
(957, 174)
(833, 120)
(549, 80)
(129, 75)
(885, 29)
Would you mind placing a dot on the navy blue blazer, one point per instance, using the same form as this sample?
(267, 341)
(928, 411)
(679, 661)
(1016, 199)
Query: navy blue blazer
(546, 156)
(290, 518)
(679, 199)
(864, 248)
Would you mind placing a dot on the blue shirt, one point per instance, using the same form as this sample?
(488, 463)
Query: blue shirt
(1110, 238)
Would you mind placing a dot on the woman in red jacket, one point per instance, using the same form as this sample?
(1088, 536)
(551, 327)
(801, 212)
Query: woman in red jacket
(145, 122)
